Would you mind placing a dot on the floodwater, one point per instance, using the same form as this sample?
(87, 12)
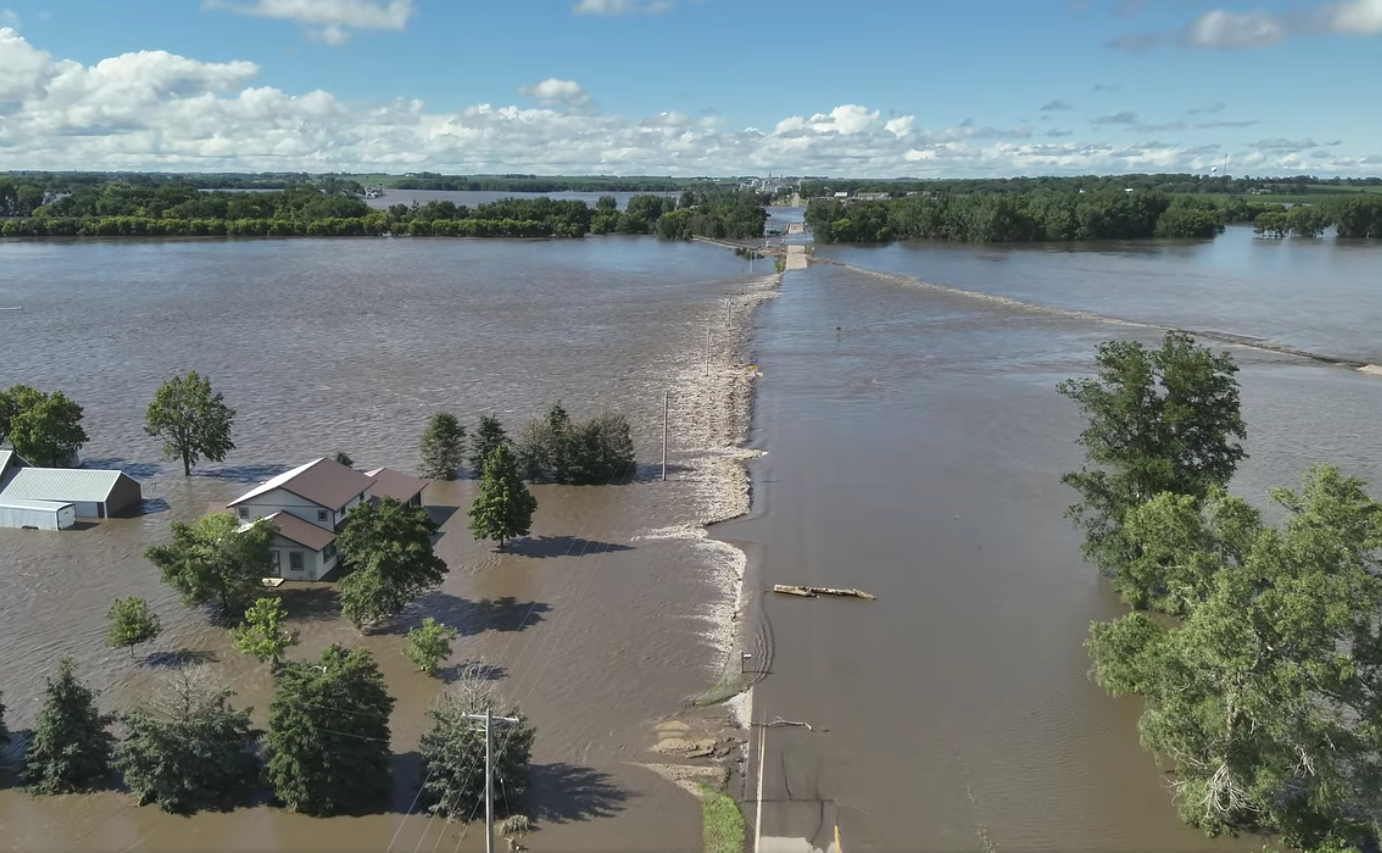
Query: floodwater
(915, 453)
(351, 344)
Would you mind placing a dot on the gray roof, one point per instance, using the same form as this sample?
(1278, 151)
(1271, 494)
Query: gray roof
(46, 506)
(67, 485)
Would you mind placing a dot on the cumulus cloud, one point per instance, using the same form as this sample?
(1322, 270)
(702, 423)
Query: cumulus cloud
(327, 20)
(154, 110)
(621, 7)
(1224, 29)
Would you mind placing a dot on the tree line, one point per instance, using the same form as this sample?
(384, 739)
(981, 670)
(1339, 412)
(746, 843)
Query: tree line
(1176, 183)
(183, 210)
(546, 183)
(1255, 647)
(1054, 216)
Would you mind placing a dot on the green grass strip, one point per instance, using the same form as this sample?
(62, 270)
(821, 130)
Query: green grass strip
(722, 823)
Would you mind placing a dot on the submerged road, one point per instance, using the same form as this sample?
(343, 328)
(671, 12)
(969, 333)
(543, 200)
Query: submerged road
(782, 824)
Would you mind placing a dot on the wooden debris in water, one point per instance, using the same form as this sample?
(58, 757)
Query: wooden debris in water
(813, 591)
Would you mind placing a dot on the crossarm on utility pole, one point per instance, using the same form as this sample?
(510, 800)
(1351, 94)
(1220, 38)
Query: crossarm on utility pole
(489, 721)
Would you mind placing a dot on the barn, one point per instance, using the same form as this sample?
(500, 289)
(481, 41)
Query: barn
(93, 494)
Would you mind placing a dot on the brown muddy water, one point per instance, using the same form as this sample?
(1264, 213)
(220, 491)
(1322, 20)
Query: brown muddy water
(611, 617)
(915, 446)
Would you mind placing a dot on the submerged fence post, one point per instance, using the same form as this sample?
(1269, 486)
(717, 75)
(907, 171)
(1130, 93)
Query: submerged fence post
(666, 402)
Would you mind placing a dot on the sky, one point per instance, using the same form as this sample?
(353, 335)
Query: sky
(869, 88)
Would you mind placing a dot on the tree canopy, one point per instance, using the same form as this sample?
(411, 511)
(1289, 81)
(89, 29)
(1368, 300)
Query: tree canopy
(190, 750)
(389, 558)
(131, 622)
(443, 447)
(329, 734)
(488, 435)
(44, 427)
(598, 451)
(503, 507)
(262, 634)
(192, 419)
(213, 561)
(1160, 420)
(455, 744)
(71, 746)
(429, 644)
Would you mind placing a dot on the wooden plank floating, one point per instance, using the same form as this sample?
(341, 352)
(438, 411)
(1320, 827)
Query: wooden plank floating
(813, 591)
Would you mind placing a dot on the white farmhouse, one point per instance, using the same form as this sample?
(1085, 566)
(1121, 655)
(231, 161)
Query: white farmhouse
(310, 505)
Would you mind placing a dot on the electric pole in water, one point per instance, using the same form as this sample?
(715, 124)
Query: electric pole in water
(489, 721)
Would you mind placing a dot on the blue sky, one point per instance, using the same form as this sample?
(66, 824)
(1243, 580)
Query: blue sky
(869, 88)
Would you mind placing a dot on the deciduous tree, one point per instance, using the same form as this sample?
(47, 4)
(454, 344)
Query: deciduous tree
(455, 744)
(46, 428)
(489, 434)
(213, 561)
(262, 633)
(503, 508)
(131, 622)
(429, 644)
(443, 447)
(388, 552)
(191, 750)
(12, 400)
(329, 734)
(71, 746)
(1160, 420)
(192, 419)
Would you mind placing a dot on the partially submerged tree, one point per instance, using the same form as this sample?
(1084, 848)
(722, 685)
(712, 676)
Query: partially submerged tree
(1266, 696)
(191, 750)
(4, 732)
(12, 401)
(131, 622)
(429, 644)
(71, 747)
(541, 446)
(344, 458)
(455, 744)
(262, 633)
(443, 447)
(388, 551)
(45, 428)
(213, 561)
(192, 419)
(582, 453)
(503, 507)
(1164, 420)
(329, 734)
(489, 434)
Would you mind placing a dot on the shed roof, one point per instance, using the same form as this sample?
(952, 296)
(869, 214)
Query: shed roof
(389, 483)
(68, 485)
(325, 482)
(294, 529)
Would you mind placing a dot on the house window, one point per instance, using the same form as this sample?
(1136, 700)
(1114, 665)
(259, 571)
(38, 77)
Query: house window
(244, 513)
(321, 515)
(295, 560)
(329, 551)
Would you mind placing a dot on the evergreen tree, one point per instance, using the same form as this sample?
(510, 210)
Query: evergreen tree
(329, 734)
(4, 732)
(443, 447)
(192, 419)
(489, 434)
(192, 752)
(429, 645)
(503, 508)
(262, 633)
(131, 622)
(388, 551)
(455, 744)
(71, 747)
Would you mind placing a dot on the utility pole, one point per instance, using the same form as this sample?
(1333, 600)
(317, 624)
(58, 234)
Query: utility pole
(666, 407)
(490, 720)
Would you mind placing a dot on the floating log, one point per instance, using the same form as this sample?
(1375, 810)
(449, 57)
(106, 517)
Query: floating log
(813, 591)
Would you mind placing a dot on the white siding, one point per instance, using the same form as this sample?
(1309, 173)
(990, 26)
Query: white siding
(281, 500)
(87, 509)
(44, 515)
(314, 564)
(337, 518)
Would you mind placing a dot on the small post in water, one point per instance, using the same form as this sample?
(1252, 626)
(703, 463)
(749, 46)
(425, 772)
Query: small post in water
(666, 406)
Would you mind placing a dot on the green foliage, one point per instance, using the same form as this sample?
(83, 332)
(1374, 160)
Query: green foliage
(329, 734)
(45, 428)
(1163, 420)
(455, 745)
(211, 561)
(343, 458)
(489, 434)
(443, 447)
(193, 752)
(4, 732)
(722, 823)
(429, 645)
(1266, 695)
(387, 547)
(71, 746)
(131, 622)
(1272, 223)
(192, 420)
(593, 452)
(262, 633)
(503, 507)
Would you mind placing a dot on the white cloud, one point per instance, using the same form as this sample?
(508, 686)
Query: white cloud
(157, 111)
(327, 20)
(1224, 29)
(621, 7)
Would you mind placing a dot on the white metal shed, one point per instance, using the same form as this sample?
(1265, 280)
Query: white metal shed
(45, 515)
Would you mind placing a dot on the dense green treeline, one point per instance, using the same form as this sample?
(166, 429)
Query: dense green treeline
(177, 210)
(1066, 216)
(1168, 183)
(542, 183)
